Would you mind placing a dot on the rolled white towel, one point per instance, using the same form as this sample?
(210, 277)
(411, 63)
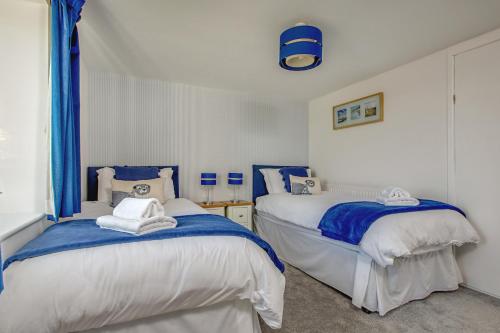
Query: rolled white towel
(396, 196)
(393, 192)
(136, 227)
(138, 209)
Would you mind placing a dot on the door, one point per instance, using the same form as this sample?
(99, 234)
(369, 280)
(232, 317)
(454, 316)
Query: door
(477, 161)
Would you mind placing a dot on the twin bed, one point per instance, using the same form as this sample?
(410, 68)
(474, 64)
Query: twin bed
(191, 284)
(401, 257)
(219, 283)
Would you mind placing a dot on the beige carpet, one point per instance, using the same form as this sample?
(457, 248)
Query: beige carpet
(311, 307)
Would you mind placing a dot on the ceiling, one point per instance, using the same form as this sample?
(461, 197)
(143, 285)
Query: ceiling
(233, 44)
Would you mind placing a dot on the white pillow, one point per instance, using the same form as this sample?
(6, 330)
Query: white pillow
(274, 180)
(168, 188)
(104, 187)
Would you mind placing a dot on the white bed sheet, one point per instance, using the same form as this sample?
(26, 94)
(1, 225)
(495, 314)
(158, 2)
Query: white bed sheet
(303, 210)
(173, 207)
(346, 268)
(392, 236)
(108, 285)
(227, 317)
(181, 206)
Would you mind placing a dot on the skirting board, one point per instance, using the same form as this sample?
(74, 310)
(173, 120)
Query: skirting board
(465, 285)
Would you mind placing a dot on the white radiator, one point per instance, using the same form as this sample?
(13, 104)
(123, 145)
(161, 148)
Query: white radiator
(357, 192)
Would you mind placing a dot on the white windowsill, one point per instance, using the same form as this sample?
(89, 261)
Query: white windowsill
(12, 223)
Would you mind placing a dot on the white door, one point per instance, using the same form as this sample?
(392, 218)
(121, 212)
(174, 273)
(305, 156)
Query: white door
(477, 156)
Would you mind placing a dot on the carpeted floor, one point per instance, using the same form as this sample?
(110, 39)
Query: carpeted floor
(311, 307)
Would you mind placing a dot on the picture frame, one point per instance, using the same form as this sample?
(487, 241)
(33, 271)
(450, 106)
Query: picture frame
(361, 111)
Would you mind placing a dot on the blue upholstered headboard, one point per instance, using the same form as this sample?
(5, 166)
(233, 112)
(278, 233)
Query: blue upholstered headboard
(259, 185)
(92, 180)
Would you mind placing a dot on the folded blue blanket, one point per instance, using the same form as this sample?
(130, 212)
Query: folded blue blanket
(349, 221)
(81, 234)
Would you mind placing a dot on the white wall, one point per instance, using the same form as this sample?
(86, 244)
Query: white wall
(23, 105)
(407, 149)
(139, 122)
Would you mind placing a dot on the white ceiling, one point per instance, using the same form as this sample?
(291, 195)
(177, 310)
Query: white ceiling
(233, 44)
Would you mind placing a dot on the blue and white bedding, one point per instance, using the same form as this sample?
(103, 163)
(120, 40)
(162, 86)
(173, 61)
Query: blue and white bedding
(82, 234)
(89, 287)
(389, 237)
(349, 221)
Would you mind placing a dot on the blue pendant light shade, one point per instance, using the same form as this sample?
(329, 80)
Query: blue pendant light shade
(301, 48)
(208, 179)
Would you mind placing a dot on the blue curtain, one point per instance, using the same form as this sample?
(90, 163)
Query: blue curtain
(65, 108)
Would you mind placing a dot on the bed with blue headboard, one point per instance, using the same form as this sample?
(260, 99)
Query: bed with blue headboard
(259, 185)
(321, 232)
(121, 259)
(92, 179)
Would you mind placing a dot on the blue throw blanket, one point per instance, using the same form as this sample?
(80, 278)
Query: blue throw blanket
(349, 221)
(81, 234)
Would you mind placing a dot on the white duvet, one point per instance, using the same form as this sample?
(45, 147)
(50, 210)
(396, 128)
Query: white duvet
(88, 288)
(390, 237)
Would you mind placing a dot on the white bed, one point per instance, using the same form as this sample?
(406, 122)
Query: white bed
(192, 284)
(395, 262)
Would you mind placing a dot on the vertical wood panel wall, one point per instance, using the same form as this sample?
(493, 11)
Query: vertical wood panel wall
(139, 122)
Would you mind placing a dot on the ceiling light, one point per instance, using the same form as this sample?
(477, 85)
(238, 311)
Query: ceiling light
(301, 47)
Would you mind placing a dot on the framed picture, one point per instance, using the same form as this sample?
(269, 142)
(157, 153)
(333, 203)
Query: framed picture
(361, 111)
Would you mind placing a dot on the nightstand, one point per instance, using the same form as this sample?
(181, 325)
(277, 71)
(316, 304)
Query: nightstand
(216, 207)
(239, 212)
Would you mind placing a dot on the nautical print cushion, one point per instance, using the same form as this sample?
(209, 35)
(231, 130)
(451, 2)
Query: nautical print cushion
(149, 188)
(305, 185)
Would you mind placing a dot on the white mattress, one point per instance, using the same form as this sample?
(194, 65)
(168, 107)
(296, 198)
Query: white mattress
(392, 236)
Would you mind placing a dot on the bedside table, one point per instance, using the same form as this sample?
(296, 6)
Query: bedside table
(215, 207)
(239, 212)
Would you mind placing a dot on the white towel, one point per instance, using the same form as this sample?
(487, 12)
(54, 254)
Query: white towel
(136, 227)
(138, 209)
(396, 196)
(398, 201)
(394, 193)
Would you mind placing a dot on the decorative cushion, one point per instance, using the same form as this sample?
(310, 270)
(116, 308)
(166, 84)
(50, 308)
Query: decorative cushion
(136, 173)
(292, 171)
(169, 190)
(274, 180)
(305, 185)
(147, 188)
(104, 178)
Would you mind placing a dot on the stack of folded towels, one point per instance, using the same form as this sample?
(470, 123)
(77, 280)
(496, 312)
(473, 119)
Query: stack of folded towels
(138, 217)
(395, 196)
